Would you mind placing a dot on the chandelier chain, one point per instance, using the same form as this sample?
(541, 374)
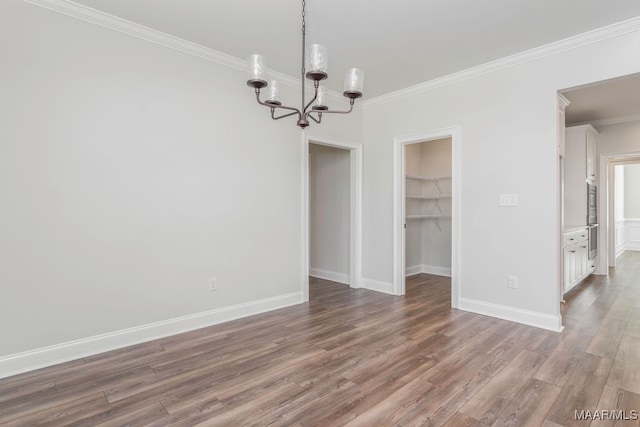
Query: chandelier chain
(304, 36)
(304, 23)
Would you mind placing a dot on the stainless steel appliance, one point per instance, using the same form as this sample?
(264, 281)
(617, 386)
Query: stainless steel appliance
(592, 204)
(592, 219)
(593, 241)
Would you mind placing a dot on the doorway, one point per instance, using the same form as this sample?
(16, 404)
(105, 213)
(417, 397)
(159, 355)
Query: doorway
(428, 208)
(329, 171)
(611, 107)
(437, 202)
(623, 205)
(338, 153)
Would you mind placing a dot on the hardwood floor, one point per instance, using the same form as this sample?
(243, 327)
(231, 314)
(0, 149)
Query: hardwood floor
(360, 358)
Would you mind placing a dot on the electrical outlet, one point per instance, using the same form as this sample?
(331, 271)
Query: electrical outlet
(513, 282)
(213, 284)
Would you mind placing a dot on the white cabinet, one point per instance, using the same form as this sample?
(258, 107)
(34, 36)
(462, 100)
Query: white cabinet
(580, 152)
(579, 168)
(573, 267)
(591, 136)
(573, 237)
(576, 263)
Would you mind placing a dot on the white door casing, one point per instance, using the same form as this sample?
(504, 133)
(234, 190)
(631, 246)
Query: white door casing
(355, 211)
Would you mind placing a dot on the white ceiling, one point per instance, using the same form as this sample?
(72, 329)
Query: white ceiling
(398, 43)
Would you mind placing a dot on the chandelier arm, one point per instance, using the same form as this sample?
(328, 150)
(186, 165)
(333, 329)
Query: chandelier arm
(273, 114)
(315, 96)
(273, 107)
(340, 112)
(318, 120)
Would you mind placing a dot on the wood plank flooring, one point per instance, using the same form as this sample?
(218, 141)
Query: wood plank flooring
(360, 358)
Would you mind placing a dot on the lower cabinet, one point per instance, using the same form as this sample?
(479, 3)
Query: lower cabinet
(577, 265)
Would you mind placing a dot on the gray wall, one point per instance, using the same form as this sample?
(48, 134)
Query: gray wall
(129, 176)
(329, 180)
(632, 191)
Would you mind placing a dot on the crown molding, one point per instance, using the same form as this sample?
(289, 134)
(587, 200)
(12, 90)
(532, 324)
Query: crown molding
(563, 102)
(573, 42)
(609, 121)
(103, 19)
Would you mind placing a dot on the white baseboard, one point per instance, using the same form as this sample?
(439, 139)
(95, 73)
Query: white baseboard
(59, 353)
(428, 269)
(329, 275)
(627, 247)
(410, 271)
(527, 317)
(378, 286)
(438, 271)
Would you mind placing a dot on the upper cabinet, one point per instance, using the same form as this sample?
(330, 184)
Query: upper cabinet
(580, 151)
(580, 165)
(591, 136)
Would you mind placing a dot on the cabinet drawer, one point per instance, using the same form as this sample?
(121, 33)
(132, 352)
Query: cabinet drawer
(575, 237)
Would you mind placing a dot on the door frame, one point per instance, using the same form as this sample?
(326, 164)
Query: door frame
(399, 206)
(355, 206)
(606, 206)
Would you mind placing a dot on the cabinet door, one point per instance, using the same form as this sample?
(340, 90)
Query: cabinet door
(569, 267)
(591, 156)
(582, 260)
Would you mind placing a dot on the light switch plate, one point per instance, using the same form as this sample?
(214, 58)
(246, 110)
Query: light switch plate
(508, 200)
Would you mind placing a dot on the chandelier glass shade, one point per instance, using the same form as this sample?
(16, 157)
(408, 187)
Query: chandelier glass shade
(315, 67)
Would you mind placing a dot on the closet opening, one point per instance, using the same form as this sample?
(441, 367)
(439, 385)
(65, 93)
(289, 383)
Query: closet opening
(428, 210)
(426, 214)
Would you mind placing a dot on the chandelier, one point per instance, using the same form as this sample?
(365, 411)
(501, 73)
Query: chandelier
(314, 69)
